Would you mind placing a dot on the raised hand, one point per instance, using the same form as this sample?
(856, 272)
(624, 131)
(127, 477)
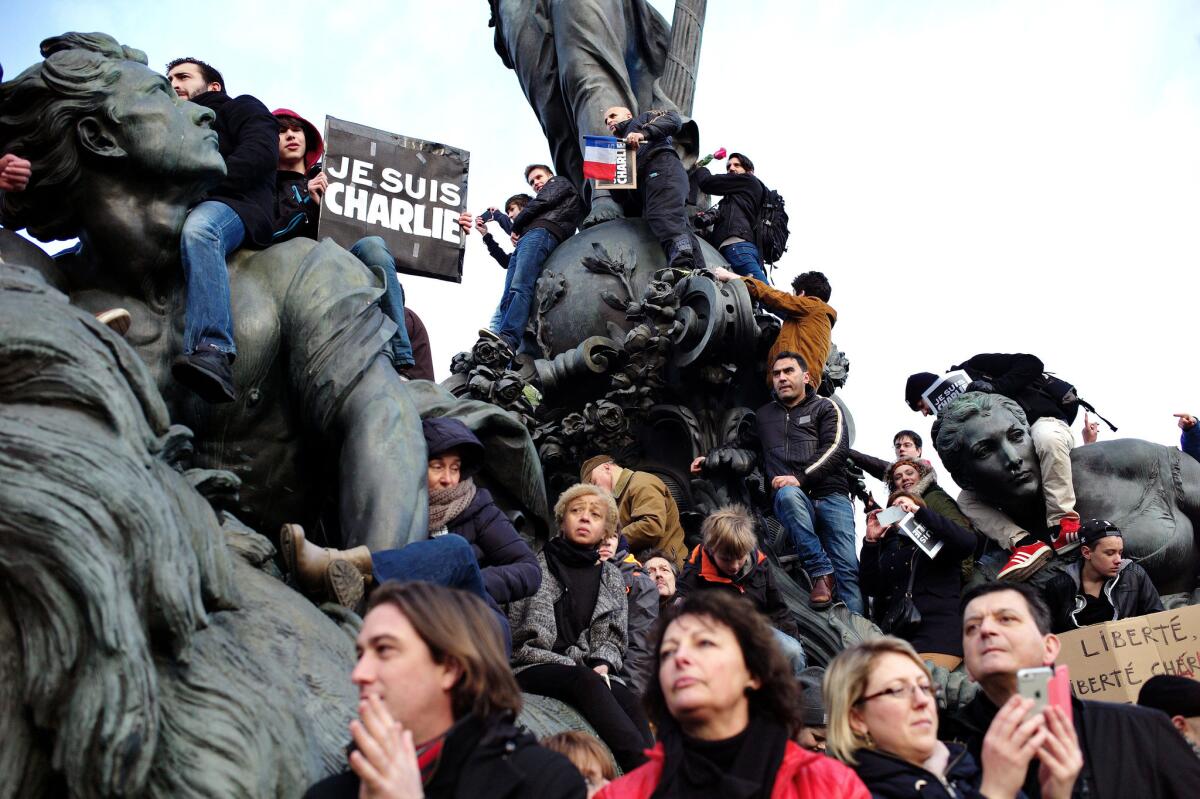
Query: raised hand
(386, 759)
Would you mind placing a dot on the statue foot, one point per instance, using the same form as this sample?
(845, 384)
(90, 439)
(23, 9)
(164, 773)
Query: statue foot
(604, 209)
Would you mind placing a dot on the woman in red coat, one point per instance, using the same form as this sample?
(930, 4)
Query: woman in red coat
(726, 706)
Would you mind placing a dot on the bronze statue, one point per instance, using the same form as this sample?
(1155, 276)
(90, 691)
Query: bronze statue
(324, 428)
(576, 58)
(1150, 491)
(144, 651)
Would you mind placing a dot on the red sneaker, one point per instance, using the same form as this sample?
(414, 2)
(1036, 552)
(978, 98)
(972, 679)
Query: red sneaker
(1025, 561)
(1067, 537)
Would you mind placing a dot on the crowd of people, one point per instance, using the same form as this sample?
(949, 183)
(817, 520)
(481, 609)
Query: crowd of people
(687, 662)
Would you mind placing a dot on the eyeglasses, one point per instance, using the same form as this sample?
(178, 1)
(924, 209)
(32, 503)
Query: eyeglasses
(904, 692)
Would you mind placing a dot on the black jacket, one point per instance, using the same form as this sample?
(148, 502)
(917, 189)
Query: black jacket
(888, 777)
(808, 441)
(755, 582)
(557, 207)
(297, 213)
(510, 569)
(1130, 593)
(491, 759)
(496, 251)
(937, 587)
(1018, 377)
(741, 206)
(657, 127)
(1127, 750)
(249, 142)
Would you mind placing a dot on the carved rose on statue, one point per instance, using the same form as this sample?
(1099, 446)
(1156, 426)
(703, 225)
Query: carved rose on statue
(508, 388)
(608, 417)
(460, 363)
(658, 292)
(574, 426)
(487, 353)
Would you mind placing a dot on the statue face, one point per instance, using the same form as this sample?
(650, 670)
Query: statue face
(1000, 461)
(158, 132)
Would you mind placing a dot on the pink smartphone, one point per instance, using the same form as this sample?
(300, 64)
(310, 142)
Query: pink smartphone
(1058, 689)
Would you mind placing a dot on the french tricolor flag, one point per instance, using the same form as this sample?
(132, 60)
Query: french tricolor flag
(600, 157)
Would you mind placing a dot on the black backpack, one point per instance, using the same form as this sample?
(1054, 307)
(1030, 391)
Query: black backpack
(771, 227)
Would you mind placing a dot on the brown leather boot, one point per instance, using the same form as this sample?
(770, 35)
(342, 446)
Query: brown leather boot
(310, 563)
(822, 592)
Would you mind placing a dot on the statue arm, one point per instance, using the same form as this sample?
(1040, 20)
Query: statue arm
(381, 466)
(351, 399)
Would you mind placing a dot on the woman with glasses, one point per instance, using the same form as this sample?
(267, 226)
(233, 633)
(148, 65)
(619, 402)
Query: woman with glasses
(883, 722)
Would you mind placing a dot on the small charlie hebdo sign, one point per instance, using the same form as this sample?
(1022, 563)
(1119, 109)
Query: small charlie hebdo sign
(943, 392)
(407, 191)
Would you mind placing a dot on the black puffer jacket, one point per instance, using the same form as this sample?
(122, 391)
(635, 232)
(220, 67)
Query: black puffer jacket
(658, 127)
(1018, 377)
(884, 567)
(742, 203)
(510, 569)
(297, 213)
(888, 777)
(808, 441)
(557, 207)
(1130, 593)
(249, 142)
(483, 758)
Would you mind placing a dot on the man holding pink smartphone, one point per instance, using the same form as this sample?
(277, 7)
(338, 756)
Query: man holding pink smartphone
(1099, 750)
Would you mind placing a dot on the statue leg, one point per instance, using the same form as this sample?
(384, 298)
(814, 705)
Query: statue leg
(592, 41)
(1052, 441)
(530, 38)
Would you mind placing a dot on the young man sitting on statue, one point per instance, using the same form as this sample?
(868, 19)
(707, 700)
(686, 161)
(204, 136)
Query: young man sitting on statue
(546, 221)
(236, 212)
(300, 184)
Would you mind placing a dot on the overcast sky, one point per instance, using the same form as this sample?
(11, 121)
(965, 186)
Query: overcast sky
(1015, 176)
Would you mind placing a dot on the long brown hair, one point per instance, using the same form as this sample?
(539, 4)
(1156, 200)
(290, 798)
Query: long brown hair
(459, 627)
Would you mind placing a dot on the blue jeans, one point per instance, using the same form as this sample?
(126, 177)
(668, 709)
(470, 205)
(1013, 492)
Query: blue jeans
(793, 650)
(374, 253)
(743, 256)
(524, 267)
(822, 532)
(211, 232)
(446, 560)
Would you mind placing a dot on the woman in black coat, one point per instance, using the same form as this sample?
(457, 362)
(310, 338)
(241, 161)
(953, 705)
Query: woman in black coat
(498, 564)
(888, 559)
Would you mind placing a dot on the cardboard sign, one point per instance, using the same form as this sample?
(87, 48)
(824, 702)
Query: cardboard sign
(407, 191)
(941, 393)
(1111, 661)
(626, 170)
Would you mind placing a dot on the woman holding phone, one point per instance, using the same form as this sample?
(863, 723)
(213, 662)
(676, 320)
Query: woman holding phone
(916, 597)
